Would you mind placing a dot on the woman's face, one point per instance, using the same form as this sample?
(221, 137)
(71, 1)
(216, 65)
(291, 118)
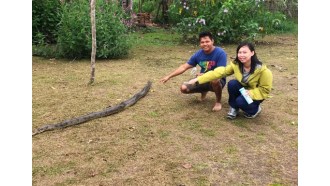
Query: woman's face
(244, 54)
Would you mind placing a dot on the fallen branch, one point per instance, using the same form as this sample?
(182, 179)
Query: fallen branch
(106, 112)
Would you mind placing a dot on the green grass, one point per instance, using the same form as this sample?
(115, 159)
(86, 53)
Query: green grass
(52, 170)
(156, 37)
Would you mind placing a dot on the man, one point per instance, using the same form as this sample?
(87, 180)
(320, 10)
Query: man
(208, 58)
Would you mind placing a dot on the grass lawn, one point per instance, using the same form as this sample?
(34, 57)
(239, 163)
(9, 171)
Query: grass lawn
(166, 138)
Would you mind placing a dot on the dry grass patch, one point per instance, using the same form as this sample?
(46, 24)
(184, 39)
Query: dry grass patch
(166, 138)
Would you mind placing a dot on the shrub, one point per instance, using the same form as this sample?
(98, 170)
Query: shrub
(229, 20)
(149, 6)
(74, 36)
(236, 21)
(46, 14)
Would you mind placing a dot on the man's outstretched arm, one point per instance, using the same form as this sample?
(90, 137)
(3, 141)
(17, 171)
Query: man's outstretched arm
(176, 72)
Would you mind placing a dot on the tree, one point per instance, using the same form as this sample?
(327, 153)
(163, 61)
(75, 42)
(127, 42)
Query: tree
(164, 5)
(93, 42)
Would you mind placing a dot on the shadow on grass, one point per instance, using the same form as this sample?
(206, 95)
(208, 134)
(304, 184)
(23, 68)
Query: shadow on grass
(241, 122)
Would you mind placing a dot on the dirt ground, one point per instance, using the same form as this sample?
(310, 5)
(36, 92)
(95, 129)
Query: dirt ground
(167, 138)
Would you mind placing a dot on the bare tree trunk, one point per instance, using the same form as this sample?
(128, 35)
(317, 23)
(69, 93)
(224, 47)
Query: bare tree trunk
(165, 9)
(164, 4)
(93, 42)
(160, 4)
(139, 6)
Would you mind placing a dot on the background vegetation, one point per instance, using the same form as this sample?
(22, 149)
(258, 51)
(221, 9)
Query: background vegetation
(73, 30)
(62, 30)
(46, 14)
(230, 21)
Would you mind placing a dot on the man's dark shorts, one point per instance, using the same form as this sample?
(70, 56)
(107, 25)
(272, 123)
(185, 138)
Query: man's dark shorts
(204, 87)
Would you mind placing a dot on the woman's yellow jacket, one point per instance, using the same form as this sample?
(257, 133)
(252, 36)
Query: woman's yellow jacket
(259, 83)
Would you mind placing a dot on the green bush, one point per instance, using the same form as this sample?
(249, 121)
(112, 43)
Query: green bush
(74, 30)
(236, 21)
(149, 6)
(46, 14)
(229, 20)
(276, 23)
(181, 9)
(48, 51)
(74, 35)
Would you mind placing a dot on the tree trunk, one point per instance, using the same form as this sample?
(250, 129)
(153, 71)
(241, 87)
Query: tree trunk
(93, 42)
(165, 11)
(160, 4)
(106, 112)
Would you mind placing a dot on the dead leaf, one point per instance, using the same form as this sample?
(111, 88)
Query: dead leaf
(187, 166)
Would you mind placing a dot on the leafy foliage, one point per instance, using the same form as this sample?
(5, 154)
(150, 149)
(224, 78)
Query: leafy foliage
(74, 37)
(112, 36)
(74, 30)
(229, 20)
(46, 14)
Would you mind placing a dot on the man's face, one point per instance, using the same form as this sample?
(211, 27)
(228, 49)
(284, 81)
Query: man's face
(206, 44)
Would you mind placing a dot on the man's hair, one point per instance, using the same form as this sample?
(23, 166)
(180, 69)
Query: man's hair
(204, 34)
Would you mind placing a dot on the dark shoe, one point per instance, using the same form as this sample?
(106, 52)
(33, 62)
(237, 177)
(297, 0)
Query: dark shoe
(252, 116)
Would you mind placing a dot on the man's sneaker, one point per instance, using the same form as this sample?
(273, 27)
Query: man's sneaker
(253, 116)
(232, 113)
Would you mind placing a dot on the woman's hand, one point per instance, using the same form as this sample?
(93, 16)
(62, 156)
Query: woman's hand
(192, 81)
(199, 74)
(248, 93)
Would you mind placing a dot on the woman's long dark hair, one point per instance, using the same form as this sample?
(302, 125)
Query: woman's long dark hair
(254, 59)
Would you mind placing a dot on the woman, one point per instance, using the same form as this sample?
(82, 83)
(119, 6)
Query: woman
(249, 73)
